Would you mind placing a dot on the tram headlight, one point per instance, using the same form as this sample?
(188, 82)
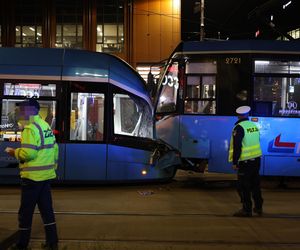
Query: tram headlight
(144, 172)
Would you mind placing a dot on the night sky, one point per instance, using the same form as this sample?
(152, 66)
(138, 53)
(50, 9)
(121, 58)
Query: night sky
(233, 18)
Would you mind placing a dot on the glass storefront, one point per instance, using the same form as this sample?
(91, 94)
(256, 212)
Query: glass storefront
(65, 24)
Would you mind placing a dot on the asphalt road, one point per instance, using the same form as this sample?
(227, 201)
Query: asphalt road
(192, 212)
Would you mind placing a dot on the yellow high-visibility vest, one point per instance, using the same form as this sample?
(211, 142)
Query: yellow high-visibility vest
(250, 143)
(38, 154)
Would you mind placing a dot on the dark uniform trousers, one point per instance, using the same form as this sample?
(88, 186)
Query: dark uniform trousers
(32, 193)
(249, 184)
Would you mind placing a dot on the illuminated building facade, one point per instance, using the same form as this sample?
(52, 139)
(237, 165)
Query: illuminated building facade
(139, 31)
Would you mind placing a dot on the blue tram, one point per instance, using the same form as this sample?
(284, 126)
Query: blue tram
(204, 82)
(98, 107)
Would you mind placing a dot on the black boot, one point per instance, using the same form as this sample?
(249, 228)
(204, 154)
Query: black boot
(50, 246)
(242, 213)
(258, 211)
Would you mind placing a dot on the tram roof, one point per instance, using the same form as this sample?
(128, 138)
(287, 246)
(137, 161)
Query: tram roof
(70, 64)
(239, 46)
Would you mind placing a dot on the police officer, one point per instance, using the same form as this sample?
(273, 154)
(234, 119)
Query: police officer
(38, 156)
(245, 154)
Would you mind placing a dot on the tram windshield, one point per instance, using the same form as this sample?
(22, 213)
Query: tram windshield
(168, 97)
(132, 116)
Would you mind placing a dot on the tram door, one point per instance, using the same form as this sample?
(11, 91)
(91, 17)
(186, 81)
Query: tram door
(85, 154)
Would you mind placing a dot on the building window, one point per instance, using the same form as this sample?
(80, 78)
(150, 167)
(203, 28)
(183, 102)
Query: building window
(28, 36)
(69, 24)
(110, 26)
(28, 23)
(293, 33)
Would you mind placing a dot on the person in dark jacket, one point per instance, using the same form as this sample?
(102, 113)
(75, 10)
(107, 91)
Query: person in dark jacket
(245, 155)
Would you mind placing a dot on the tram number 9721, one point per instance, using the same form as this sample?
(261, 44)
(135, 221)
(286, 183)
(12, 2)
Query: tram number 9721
(233, 60)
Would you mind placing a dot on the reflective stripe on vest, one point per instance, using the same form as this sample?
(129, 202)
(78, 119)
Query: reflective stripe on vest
(250, 143)
(40, 132)
(36, 147)
(43, 166)
(30, 146)
(37, 168)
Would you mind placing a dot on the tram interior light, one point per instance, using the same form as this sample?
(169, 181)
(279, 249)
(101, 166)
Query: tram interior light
(144, 70)
(262, 62)
(162, 98)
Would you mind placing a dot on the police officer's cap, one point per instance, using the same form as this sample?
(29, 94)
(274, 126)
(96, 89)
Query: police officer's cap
(243, 110)
(29, 102)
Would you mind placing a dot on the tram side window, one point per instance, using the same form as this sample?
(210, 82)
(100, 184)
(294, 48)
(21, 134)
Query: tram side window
(168, 95)
(29, 90)
(87, 117)
(11, 126)
(276, 95)
(132, 116)
(200, 95)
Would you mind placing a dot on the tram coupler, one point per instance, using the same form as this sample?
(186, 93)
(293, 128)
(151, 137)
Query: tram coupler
(196, 165)
(164, 155)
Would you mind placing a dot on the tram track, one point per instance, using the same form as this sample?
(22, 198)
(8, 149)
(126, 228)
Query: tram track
(149, 242)
(88, 213)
